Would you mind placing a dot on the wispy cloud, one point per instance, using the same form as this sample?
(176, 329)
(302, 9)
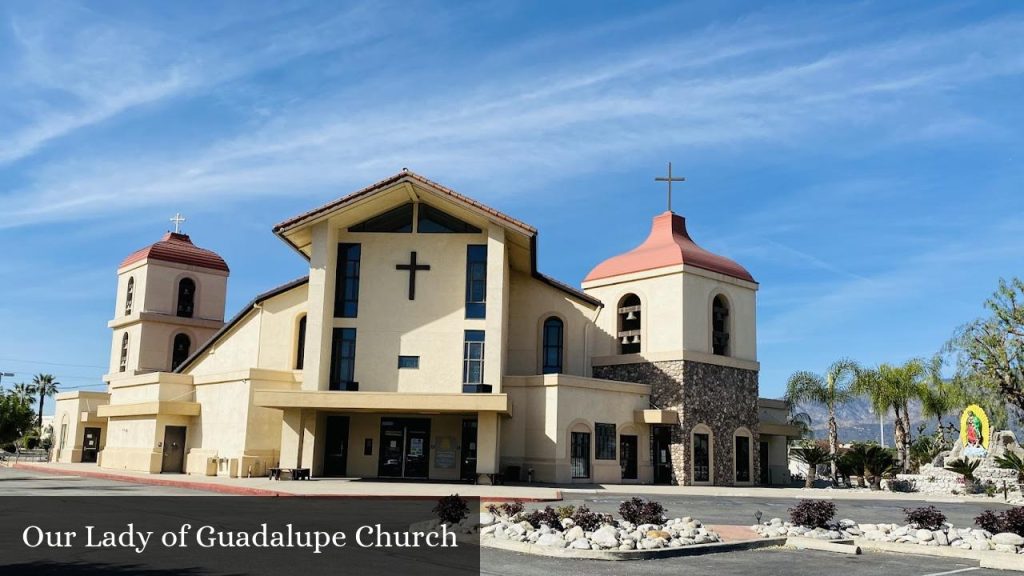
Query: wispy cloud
(752, 81)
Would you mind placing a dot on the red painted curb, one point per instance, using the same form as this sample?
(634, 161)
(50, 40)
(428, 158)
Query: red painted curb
(245, 490)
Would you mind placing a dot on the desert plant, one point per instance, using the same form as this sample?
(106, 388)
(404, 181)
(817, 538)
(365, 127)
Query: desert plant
(813, 513)
(1011, 520)
(853, 461)
(927, 517)
(964, 467)
(813, 456)
(639, 511)
(547, 515)
(507, 509)
(588, 520)
(877, 463)
(1012, 461)
(565, 511)
(451, 509)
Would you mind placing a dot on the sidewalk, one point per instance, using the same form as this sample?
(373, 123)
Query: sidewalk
(341, 487)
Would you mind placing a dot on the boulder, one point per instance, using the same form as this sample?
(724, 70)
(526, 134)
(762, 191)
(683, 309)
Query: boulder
(940, 538)
(1006, 548)
(1008, 538)
(573, 534)
(488, 529)
(605, 537)
(580, 544)
(486, 519)
(924, 535)
(980, 545)
(869, 528)
(552, 540)
(567, 523)
(659, 534)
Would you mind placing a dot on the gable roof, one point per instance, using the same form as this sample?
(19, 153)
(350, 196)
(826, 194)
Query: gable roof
(405, 174)
(238, 318)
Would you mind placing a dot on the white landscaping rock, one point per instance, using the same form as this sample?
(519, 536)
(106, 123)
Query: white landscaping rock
(580, 544)
(940, 538)
(573, 534)
(605, 537)
(1008, 538)
(553, 540)
(924, 535)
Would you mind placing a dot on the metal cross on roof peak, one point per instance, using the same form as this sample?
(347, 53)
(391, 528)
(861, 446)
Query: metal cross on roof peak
(178, 219)
(670, 180)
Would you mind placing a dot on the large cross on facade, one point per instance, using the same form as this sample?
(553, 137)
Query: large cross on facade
(670, 180)
(412, 267)
(178, 219)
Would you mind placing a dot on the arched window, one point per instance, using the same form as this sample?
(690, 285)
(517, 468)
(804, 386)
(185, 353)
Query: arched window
(720, 326)
(743, 455)
(186, 297)
(552, 347)
(629, 324)
(182, 346)
(300, 344)
(124, 353)
(129, 297)
(702, 464)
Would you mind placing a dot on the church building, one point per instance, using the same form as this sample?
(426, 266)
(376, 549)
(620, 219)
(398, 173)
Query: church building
(424, 343)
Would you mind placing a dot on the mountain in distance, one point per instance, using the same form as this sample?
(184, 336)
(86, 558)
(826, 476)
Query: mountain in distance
(857, 423)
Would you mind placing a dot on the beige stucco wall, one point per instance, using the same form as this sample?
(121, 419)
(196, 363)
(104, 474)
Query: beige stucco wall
(156, 288)
(70, 409)
(550, 407)
(531, 303)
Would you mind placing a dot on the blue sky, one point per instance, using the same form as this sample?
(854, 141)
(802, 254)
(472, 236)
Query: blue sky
(862, 160)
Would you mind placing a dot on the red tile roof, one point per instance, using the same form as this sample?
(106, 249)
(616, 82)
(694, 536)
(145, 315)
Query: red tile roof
(668, 244)
(404, 174)
(178, 248)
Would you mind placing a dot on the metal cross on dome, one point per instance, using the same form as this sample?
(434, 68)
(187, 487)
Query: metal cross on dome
(670, 180)
(178, 219)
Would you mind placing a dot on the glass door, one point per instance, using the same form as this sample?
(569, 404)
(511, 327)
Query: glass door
(404, 448)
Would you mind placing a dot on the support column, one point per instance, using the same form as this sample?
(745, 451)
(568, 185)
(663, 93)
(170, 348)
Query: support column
(497, 307)
(310, 443)
(291, 438)
(320, 312)
(487, 445)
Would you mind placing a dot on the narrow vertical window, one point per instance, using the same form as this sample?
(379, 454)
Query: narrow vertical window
(346, 287)
(552, 346)
(300, 344)
(473, 362)
(629, 324)
(186, 297)
(701, 458)
(720, 326)
(476, 281)
(124, 353)
(343, 360)
(181, 348)
(129, 297)
(605, 441)
(579, 454)
(742, 458)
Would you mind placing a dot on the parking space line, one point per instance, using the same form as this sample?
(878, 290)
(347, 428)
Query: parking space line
(954, 571)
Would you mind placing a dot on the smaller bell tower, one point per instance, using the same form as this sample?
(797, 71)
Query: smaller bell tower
(170, 301)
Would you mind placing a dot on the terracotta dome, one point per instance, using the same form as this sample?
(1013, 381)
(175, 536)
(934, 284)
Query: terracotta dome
(178, 248)
(668, 244)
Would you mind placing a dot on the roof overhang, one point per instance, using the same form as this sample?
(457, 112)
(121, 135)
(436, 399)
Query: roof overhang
(382, 401)
(160, 408)
(657, 417)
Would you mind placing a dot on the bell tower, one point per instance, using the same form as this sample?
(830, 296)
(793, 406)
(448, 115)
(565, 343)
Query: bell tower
(170, 300)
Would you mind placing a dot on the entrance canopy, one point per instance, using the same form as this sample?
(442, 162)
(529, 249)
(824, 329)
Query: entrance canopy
(396, 402)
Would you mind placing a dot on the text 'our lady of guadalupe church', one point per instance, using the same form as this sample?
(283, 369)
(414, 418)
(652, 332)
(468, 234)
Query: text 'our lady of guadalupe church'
(425, 344)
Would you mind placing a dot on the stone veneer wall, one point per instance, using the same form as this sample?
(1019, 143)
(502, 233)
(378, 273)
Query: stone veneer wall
(722, 398)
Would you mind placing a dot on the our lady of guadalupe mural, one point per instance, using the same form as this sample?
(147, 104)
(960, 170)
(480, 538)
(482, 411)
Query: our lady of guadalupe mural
(974, 432)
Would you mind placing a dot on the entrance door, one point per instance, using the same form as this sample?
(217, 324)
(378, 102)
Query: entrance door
(91, 445)
(661, 441)
(468, 471)
(405, 448)
(763, 455)
(336, 446)
(174, 449)
(627, 456)
(579, 454)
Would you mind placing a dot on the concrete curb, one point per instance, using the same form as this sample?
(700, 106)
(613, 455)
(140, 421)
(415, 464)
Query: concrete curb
(840, 546)
(157, 480)
(619, 555)
(990, 559)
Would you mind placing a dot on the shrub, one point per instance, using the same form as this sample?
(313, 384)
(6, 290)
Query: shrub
(565, 511)
(639, 511)
(927, 517)
(452, 509)
(964, 467)
(546, 516)
(989, 520)
(1012, 461)
(1011, 520)
(903, 486)
(588, 520)
(813, 513)
(506, 509)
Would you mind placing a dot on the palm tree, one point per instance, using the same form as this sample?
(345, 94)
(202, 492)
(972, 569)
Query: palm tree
(23, 391)
(833, 389)
(802, 422)
(813, 456)
(939, 397)
(854, 459)
(44, 385)
(1012, 461)
(893, 387)
(877, 463)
